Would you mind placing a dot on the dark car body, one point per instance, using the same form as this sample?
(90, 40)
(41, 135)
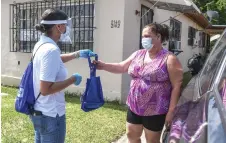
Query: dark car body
(200, 115)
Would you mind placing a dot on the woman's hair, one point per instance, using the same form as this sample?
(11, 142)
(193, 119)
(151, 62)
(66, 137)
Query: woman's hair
(50, 15)
(161, 29)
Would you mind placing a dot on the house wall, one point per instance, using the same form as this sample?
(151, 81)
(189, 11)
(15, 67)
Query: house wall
(111, 44)
(11, 71)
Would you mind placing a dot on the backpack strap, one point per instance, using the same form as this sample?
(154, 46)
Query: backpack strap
(32, 58)
(38, 96)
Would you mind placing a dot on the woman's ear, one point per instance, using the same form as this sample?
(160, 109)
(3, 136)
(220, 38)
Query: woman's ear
(60, 28)
(159, 36)
(57, 27)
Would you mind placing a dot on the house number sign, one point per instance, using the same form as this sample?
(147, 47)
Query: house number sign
(115, 23)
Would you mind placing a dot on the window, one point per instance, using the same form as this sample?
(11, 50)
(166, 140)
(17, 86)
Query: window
(191, 35)
(175, 35)
(216, 122)
(145, 20)
(222, 87)
(208, 44)
(202, 39)
(219, 94)
(213, 62)
(24, 16)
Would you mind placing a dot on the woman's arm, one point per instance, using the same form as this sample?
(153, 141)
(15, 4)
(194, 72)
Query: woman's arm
(175, 71)
(49, 70)
(68, 57)
(47, 88)
(117, 68)
(77, 54)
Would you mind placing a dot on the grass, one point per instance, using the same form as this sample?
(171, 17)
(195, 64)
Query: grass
(100, 126)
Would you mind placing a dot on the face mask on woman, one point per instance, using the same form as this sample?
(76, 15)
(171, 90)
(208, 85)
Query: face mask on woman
(65, 37)
(147, 43)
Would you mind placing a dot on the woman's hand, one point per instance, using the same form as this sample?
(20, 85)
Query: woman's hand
(77, 79)
(86, 53)
(99, 64)
(169, 118)
(117, 68)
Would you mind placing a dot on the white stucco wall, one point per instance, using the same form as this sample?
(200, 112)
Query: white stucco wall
(10, 70)
(111, 44)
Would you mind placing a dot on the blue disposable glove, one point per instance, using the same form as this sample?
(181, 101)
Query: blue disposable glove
(86, 53)
(78, 78)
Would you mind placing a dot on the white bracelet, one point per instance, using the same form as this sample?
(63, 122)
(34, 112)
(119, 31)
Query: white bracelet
(76, 54)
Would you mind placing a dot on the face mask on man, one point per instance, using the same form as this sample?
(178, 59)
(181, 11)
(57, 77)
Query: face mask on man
(147, 43)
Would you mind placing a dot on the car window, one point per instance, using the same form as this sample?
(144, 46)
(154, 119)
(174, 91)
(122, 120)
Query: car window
(222, 87)
(209, 70)
(216, 133)
(216, 111)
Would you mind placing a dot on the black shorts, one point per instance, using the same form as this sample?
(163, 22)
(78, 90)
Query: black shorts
(153, 123)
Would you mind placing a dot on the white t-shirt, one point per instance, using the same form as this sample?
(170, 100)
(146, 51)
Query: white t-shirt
(48, 66)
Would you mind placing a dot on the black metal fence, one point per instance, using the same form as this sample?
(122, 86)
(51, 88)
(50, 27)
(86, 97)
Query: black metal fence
(24, 16)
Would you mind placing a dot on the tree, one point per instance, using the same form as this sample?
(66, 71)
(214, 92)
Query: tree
(215, 5)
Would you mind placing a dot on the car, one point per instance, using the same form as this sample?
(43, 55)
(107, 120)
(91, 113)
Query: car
(200, 115)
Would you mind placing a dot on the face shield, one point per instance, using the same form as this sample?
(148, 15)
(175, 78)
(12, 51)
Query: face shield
(65, 37)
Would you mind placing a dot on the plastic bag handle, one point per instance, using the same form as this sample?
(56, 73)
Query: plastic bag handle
(92, 66)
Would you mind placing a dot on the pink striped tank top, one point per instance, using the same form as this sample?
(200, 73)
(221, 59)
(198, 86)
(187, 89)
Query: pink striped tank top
(150, 87)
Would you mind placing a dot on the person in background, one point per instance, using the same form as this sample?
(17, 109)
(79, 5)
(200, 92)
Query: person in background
(155, 87)
(50, 77)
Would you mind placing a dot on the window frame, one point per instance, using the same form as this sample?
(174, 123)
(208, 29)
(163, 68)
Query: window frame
(180, 24)
(173, 39)
(191, 35)
(202, 39)
(149, 21)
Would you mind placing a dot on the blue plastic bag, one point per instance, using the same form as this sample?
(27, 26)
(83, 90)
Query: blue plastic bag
(93, 96)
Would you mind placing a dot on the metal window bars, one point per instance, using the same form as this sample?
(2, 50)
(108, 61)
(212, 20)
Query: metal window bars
(24, 16)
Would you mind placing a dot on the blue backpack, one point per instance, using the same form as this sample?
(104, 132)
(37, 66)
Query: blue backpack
(25, 99)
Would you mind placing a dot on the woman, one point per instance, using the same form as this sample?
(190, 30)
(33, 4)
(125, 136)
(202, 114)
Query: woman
(155, 87)
(49, 77)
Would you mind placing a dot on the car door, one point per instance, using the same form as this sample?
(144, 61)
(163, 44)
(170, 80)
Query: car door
(217, 107)
(196, 111)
